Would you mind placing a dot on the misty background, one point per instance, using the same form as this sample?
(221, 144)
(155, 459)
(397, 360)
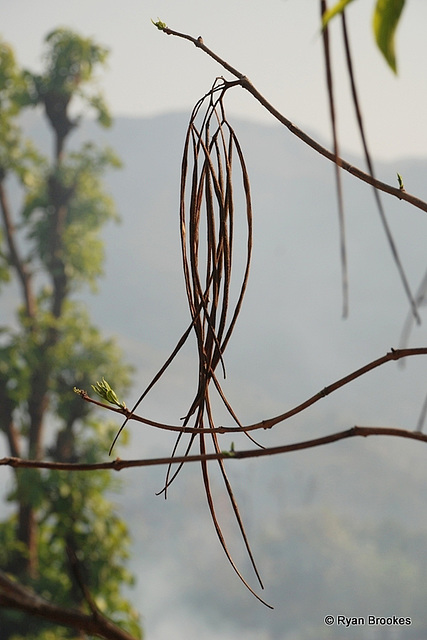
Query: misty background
(340, 529)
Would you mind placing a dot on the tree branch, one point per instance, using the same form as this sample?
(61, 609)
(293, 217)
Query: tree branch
(20, 267)
(78, 575)
(247, 84)
(118, 464)
(393, 354)
(15, 596)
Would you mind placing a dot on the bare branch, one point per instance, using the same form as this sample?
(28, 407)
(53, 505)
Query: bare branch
(15, 596)
(17, 262)
(118, 464)
(247, 84)
(393, 354)
(78, 576)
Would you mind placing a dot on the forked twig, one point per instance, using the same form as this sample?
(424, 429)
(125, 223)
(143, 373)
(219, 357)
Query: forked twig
(207, 224)
(245, 83)
(268, 423)
(339, 162)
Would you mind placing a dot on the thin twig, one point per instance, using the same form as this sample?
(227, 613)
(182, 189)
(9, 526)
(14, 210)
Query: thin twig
(78, 576)
(370, 165)
(118, 464)
(393, 354)
(340, 197)
(17, 262)
(247, 84)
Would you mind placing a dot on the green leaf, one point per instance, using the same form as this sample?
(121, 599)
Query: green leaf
(105, 392)
(333, 11)
(159, 24)
(386, 18)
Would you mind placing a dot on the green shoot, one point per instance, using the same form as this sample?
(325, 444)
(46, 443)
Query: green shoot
(159, 24)
(105, 392)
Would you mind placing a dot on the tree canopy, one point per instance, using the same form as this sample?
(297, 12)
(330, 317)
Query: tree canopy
(65, 539)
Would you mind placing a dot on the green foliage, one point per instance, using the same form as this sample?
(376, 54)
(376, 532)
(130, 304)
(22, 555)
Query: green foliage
(400, 181)
(81, 356)
(386, 18)
(105, 392)
(4, 266)
(12, 81)
(78, 181)
(53, 347)
(9, 544)
(58, 634)
(334, 11)
(77, 514)
(387, 14)
(15, 155)
(70, 61)
(159, 24)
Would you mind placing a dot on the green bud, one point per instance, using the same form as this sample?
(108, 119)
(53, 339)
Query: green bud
(104, 391)
(159, 24)
(230, 453)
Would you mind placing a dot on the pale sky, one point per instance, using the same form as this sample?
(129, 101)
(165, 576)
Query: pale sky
(275, 43)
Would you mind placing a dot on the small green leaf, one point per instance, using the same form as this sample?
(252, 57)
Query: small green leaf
(105, 392)
(159, 24)
(386, 18)
(333, 11)
(230, 453)
(400, 181)
(80, 392)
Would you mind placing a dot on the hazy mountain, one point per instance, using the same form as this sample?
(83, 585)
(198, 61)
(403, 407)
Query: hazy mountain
(339, 529)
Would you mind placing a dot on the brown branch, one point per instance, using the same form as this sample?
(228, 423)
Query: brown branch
(7, 424)
(338, 181)
(78, 576)
(13, 435)
(118, 464)
(247, 84)
(369, 164)
(15, 596)
(19, 265)
(393, 354)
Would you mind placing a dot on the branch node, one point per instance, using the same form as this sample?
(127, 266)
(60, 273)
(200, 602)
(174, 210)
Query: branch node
(117, 464)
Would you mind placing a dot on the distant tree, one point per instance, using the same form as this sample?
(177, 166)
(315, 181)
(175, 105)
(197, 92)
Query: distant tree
(64, 540)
